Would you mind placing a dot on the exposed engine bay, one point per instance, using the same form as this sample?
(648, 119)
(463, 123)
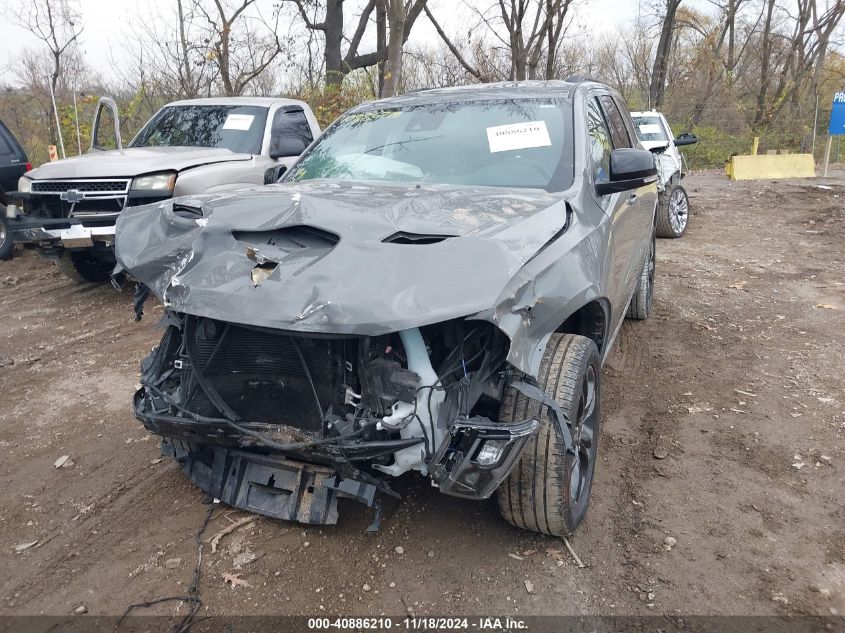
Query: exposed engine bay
(283, 423)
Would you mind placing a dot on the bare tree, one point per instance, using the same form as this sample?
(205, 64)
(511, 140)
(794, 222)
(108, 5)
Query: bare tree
(54, 22)
(657, 89)
(529, 30)
(242, 44)
(338, 63)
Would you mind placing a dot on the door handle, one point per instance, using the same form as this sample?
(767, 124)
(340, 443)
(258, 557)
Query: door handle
(631, 199)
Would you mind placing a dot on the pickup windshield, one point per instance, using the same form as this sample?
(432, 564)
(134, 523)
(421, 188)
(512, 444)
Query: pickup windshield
(650, 128)
(236, 128)
(507, 143)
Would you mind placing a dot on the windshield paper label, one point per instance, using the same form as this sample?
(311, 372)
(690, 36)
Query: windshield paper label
(238, 122)
(650, 128)
(504, 138)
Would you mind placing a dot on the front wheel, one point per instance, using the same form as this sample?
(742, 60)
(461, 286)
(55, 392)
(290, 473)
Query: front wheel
(673, 212)
(84, 266)
(549, 489)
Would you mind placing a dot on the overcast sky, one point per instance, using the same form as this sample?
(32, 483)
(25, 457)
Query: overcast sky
(106, 23)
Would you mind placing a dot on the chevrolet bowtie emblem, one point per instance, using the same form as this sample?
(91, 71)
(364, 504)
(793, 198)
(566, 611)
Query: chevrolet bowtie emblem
(71, 195)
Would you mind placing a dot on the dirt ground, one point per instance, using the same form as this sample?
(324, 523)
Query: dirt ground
(736, 382)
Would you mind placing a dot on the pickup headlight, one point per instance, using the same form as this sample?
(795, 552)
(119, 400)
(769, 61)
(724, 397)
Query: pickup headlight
(155, 182)
(24, 184)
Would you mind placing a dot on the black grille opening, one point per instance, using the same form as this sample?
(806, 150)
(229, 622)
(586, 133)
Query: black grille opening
(259, 374)
(403, 237)
(88, 186)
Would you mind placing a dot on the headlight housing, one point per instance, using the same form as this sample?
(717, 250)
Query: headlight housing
(155, 182)
(24, 184)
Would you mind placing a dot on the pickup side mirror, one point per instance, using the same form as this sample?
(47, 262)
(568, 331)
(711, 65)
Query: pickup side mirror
(629, 169)
(659, 149)
(273, 174)
(686, 139)
(284, 146)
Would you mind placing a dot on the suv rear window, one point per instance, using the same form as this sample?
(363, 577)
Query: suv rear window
(5, 147)
(236, 128)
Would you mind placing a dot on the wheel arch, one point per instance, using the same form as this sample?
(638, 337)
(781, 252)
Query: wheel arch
(591, 320)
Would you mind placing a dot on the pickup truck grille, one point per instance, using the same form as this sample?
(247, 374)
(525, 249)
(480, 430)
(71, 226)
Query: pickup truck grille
(96, 187)
(90, 198)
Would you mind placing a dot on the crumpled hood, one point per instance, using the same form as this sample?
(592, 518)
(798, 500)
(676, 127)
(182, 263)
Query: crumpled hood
(133, 161)
(337, 275)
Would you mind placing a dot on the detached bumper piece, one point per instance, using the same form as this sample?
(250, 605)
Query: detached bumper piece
(477, 456)
(271, 486)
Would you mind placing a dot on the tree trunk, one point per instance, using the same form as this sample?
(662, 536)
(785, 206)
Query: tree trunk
(335, 71)
(657, 89)
(393, 64)
(381, 40)
(188, 87)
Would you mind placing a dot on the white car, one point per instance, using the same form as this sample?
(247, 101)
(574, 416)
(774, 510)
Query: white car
(656, 136)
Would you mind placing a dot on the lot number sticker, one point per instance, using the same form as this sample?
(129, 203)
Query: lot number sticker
(238, 122)
(650, 128)
(504, 138)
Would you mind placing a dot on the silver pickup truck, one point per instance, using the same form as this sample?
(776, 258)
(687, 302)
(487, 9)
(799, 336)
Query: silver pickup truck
(68, 208)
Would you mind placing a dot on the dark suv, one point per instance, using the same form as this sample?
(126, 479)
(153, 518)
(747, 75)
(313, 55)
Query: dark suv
(13, 165)
(433, 287)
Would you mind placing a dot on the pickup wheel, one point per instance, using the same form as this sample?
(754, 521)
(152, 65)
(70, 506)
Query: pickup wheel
(6, 243)
(548, 491)
(83, 267)
(640, 306)
(673, 212)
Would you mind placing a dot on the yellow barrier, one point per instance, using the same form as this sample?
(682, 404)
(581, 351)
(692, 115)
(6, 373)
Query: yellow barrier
(768, 167)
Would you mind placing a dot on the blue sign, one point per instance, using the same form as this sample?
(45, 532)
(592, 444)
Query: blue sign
(837, 115)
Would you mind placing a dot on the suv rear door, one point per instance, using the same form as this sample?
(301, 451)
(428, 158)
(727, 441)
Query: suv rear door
(13, 162)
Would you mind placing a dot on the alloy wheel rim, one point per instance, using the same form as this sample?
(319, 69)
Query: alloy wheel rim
(678, 211)
(584, 440)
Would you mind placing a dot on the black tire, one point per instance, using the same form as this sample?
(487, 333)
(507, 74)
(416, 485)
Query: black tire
(83, 266)
(673, 212)
(640, 306)
(6, 243)
(540, 493)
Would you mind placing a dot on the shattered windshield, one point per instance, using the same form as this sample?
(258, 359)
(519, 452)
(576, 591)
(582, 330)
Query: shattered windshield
(236, 128)
(650, 128)
(506, 143)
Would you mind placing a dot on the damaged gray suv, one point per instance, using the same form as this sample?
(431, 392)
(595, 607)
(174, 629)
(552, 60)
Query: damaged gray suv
(432, 287)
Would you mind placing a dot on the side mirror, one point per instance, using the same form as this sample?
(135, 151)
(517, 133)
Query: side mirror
(659, 149)
(273, 174)
(282, 146)
(629, 169)
(686, 139)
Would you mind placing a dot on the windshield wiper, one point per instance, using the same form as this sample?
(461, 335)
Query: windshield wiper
(402, 143)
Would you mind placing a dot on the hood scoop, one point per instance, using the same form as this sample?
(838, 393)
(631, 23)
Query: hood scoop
(404, 237)
(289, 239)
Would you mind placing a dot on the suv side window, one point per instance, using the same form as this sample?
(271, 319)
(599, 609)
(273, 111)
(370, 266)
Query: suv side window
(618, 131)
(292, 123)
(600, 143)
(5, 146)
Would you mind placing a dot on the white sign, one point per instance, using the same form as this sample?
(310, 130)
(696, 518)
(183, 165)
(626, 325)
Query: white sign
(504, 138)
(238, 122)
(650, 128)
